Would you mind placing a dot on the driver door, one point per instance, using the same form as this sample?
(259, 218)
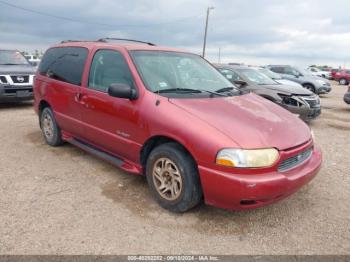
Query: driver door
(110, 123)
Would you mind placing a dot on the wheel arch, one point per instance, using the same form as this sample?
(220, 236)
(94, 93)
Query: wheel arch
(158, 140)
(41, 106)
(310, 84)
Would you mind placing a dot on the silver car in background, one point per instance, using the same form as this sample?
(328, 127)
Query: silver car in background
(316, 84)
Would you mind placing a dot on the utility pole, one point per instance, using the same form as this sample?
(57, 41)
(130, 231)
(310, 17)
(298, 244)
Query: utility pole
(219, 60)
(206, 29)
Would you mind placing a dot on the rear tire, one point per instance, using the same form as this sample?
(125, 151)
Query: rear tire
(49, 127)
(173, 178)
(343, 81)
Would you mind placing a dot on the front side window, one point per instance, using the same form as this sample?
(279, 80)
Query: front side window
(64, 64)
(109, 67)
(291, 71)
(12, 57)
(161, 70)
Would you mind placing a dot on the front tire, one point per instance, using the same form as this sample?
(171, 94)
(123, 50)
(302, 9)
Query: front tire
(310, 87)
(49, 127)
(343, 81)
(173, 178)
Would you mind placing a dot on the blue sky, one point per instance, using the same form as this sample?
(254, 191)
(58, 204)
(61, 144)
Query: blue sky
(300, 32)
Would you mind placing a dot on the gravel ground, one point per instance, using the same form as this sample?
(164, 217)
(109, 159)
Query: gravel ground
(64, 201)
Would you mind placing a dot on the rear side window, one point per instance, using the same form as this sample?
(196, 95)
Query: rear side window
(64, 64)
(277, 69)
(109, 67)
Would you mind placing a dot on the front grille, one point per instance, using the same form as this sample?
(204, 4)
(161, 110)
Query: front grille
(20, 79)
(293, 161)
(3, 79)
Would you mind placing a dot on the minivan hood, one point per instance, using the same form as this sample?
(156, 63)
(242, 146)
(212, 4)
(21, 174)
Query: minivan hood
(249, 120)
(296, 90)
(17, 69)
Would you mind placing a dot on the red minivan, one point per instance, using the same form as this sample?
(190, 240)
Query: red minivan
(170, 115)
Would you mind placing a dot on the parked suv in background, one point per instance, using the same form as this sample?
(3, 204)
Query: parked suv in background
(343, 77)
(172, 116)
(334, 72)
(277, 77)
(297, 100)
(317, 72)
(316, 84)
(16, 77)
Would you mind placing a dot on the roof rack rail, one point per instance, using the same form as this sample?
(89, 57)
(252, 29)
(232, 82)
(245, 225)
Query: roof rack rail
(124, 39)
(74, 41)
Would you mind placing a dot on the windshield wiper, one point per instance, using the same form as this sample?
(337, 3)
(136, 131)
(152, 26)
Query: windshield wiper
(225, 89)
(11, 64)
(188, 90)
(178, 90)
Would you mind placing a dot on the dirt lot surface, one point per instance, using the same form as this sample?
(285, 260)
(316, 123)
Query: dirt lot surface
(64, 201)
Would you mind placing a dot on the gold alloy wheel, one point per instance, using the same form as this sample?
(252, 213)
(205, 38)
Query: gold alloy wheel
(167, 179)
(48, 127)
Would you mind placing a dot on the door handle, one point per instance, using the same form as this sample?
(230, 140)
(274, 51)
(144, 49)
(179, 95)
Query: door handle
(78, 97)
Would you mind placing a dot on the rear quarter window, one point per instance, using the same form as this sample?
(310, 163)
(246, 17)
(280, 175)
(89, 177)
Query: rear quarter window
(277, 69)
(64, 64)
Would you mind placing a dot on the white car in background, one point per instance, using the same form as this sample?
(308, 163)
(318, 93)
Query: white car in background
(277, 77)
(317, 72)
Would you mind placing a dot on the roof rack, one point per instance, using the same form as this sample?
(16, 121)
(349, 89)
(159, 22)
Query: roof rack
(73, 41)
(124, 39)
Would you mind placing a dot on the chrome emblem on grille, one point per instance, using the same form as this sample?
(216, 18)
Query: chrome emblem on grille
(20, 79)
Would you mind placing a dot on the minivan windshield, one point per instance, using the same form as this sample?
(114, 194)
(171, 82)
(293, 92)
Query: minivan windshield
(256, 77)
(178, 72)
(12, 57)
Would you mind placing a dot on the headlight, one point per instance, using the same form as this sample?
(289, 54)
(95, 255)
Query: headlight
(321, 82)
(247, 158)
(312, 135)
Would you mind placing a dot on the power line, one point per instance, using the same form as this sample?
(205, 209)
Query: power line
(92, 23)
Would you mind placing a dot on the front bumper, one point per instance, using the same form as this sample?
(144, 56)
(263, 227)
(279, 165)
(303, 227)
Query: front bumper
(324, 89)
(306, 107)
(246, 191)
(347, 98)
(305, 113)
(9, 93)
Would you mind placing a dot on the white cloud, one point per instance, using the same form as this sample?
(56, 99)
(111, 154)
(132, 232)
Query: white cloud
(255, 32)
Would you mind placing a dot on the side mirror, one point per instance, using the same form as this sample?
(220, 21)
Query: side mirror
(122, 91)
(240, 83)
